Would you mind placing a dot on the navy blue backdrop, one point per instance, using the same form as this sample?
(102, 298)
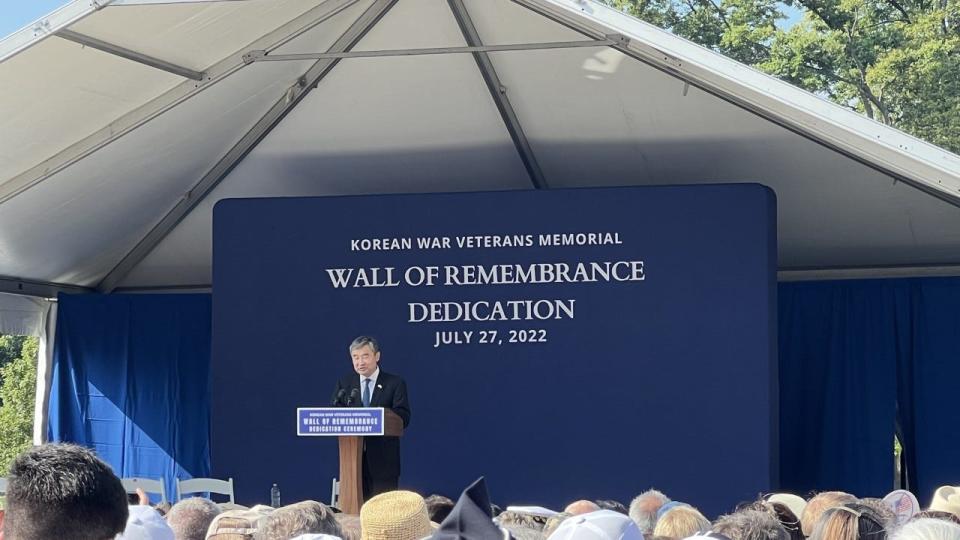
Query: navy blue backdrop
(130, 380)
(667, 382)
(859, 358)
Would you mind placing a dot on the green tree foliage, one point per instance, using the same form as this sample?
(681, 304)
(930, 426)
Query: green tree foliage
(896, 61)
(17, 395)
(10, 347)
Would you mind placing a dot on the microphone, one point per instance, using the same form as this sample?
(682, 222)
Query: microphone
(353, 395)
(339, 399)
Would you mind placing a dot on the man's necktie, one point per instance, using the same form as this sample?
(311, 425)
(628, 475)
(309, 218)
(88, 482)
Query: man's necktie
(366, 392)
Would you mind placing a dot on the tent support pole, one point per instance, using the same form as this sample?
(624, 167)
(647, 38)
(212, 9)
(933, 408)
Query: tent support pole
(128, 54)
(290, 99)
(43, 289)
(499, 94)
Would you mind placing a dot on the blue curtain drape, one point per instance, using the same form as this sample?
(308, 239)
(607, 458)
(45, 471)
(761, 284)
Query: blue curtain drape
(131, 380)
(859, 361)
(929, 413)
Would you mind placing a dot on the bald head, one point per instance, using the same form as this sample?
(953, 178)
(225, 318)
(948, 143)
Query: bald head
(581, 507)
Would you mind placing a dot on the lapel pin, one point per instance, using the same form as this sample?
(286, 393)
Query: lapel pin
(380, 386)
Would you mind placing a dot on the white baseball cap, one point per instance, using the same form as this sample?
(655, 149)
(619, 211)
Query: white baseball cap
(599, 525)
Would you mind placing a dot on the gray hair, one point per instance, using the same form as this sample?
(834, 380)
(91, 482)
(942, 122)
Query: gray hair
(750, 525)
(191, 517)
(304, 517)
(643, 509)
(349, 525)
(928, 529)
(362, 341)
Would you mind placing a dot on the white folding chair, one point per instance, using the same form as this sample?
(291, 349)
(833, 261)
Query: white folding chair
(205, 485)
(3, 486)
(148, 485)
(335, 494)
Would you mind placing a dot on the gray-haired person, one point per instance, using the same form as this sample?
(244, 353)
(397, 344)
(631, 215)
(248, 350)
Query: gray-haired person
(369, 386)
(306, 517)
(191, 517)
(644, 507)
(750, 525)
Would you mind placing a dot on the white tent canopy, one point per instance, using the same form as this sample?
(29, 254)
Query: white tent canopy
(124, 121)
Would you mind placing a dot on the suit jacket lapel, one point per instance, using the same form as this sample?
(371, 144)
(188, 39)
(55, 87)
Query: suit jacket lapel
(377, 391)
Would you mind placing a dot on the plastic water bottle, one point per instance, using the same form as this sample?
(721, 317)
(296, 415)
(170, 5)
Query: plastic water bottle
(275, 496)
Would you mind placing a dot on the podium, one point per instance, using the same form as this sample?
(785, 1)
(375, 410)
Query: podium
(351, 462)
(350, 425)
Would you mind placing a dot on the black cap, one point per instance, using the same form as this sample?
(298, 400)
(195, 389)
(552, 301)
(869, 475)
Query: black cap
(471, 518)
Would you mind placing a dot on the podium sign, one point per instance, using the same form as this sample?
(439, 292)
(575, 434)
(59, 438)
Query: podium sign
(340, 421)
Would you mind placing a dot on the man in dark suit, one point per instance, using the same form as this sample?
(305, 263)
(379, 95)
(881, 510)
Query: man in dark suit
(373, 387)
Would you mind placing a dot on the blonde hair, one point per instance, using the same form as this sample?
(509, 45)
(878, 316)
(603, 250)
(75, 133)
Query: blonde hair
(681, 522)
(820, 504)
(849, 522)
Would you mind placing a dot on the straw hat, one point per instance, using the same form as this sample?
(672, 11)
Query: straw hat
(395, 515)
(947, 499)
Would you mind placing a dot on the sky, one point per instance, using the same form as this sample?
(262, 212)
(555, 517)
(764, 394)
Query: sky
(15, 14)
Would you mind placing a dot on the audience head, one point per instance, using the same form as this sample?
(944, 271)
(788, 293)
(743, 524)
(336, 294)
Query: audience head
(299, 518)
(581, 507)
(145, 523)
(644, 507)
(438, 507)
(349, 526)
(852, 521)
(395, 515)
(819, 504)
(750, 525)
(928, 529)
(883, 511)
(190, 518)
(610, 504)
(681, 522)
(786, 517)
(598, 525)
(947, 499)
(63, 491)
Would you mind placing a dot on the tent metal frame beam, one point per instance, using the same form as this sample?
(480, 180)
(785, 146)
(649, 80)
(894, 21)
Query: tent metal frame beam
(867, 272)
(933, 180)
(262, 56)
(43, 289)
(145, 113)
(499, 94)
(290, 99)
(128, 54)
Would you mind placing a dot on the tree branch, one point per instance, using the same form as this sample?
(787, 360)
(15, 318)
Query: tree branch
(898, 7)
